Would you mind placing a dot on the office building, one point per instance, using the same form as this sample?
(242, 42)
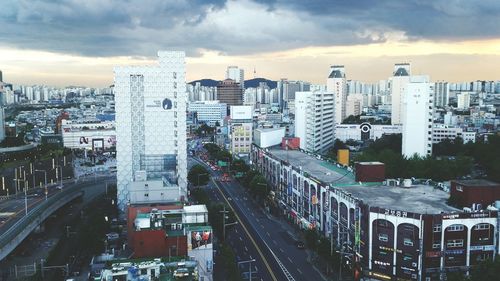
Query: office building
(230, 92)
(236, 74)
(417, 117)
(209, 112)
(151, 131)
(399, 82)
(241, 130)
(314, 115)
(441, 132)
(463, 101)
(442, 94)
(337, 84)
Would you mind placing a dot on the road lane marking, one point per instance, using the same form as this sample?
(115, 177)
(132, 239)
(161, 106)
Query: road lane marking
(290, 260)
(248, 233)
(282, 250)
(275, 243)
(299, 271)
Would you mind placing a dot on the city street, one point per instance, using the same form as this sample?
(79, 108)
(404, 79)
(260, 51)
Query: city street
(274, 237)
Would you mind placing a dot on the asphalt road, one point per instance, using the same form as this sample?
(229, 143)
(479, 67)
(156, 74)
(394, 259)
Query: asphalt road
(13, 209)
(273, 237)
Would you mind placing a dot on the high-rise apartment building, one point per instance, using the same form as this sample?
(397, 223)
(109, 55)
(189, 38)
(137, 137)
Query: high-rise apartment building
(463, 100)
(442, 94)
(314, 115)
(230, 92)
(151, 131)
(236, 74)
(337, 84)
(354, 104)
(2, 124)
(417, 117)
(241, 129)
(399, 81)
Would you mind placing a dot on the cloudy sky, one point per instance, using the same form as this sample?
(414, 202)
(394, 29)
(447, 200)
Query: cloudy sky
(77, 42)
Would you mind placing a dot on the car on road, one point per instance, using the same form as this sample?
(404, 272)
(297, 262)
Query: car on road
(299, 244)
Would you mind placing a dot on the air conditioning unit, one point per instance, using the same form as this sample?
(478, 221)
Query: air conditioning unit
(414, 264)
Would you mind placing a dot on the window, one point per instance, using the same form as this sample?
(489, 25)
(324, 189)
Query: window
(407, 257)
(173, 226)
(409, 228)
(455, 243)
(482, 226)
(383, 237)
(175, 85)
(146, 194)
(436, 228)
(455, 227)
(408, 242)
(459, 188)
(436, 245)
(174, 75)
(175, 94)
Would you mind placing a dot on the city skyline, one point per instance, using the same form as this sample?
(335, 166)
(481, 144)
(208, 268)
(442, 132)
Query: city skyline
(78, 43)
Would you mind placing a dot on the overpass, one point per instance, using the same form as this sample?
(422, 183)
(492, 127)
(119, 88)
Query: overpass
(16, 233)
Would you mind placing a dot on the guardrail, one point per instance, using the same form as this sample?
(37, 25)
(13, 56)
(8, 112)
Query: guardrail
(36, 212)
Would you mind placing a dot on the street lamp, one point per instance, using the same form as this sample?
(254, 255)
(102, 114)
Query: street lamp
(45, 177)
(249, 267)
(224, 224)
(25, 195)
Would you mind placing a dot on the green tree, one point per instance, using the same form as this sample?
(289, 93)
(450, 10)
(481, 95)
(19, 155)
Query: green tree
(486, 270)
(198, 175)
(232, 272)
(239, 166)
(258, 186)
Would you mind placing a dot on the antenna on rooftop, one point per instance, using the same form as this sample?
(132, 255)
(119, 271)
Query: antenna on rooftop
(254, 73)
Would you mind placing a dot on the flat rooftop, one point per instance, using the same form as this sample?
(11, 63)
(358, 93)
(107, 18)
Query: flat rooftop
(478, 182)
(422, 199)
(320, 169)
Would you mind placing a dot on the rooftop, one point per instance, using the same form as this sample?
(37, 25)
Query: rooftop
(422, 199)
(322, 170)
(478, 182)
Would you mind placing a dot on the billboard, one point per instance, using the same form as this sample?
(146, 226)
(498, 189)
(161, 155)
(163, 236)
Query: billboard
(198, 239)
(241, 112)
(157, 104)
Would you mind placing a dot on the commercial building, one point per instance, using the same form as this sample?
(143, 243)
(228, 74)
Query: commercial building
(89, 135)
(475, 194)
(151, 128)
(230, 92)
(236, 74)
(399, 82)
(266, 137)
(209, 112)
(241, 130)
(314, 120)
(393, 232)
(417, 117)
(337, 84)
(364, 131)
(441, 132)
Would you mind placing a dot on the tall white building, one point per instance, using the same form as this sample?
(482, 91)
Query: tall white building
(417, 117)
(442, 94)
(2, 123)
(314, 115)
(241, 129)
(209, 112)
(463, 100)
(236, 74)
(354, 104)
(151, 131)
(337, 84)
(399, 81)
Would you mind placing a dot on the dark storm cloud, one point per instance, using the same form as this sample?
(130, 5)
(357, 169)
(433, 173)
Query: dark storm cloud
(140, 27)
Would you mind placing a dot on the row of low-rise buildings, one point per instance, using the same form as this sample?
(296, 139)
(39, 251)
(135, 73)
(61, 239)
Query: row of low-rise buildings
(392, 229)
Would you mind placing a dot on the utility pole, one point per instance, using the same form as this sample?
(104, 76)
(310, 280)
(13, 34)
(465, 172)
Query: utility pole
(224, 222)
(249, 267)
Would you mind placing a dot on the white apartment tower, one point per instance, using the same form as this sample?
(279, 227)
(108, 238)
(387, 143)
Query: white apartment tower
(417, 117)
(314, 115)
(399, 81)
(463, 100)
(2, 123)
(337, 84)
(442, 94)
(151, 131)
(236, 74)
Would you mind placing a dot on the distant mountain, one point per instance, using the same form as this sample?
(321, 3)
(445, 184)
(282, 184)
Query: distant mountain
(252, 83)
(206, 82)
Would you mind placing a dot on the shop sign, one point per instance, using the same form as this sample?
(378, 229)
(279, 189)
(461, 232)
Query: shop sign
(390, 249)
(483, 248)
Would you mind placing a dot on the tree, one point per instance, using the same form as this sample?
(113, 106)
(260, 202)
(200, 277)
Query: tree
(198, 175)
(258, 186)
(486, 270)
(239, 166)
